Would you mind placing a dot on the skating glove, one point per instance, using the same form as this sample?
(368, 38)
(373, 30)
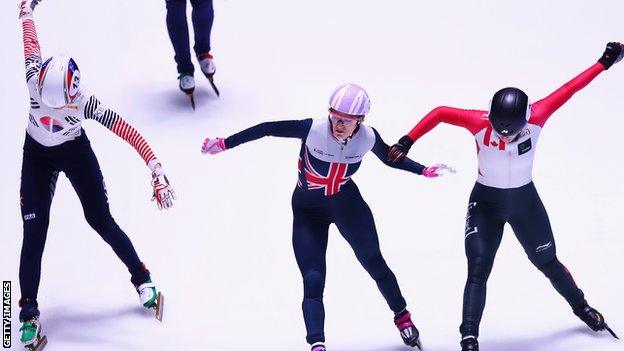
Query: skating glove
(163, 192)
(437, 170)
(613, 54)
(213, 146)
(27, 7)
(399, 150)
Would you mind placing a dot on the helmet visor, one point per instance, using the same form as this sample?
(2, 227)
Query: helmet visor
(338, 117)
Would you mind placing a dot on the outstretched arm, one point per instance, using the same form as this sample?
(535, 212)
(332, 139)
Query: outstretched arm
(162, 193)
(284, 129)
(32, 51)
(543, 109)
(469, 119)
(380, 149)
(93, 109)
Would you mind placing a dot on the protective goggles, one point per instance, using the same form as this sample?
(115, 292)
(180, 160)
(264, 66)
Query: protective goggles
(343, 118)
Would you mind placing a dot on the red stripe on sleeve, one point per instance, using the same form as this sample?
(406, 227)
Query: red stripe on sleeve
(134, 138)
(31, 43)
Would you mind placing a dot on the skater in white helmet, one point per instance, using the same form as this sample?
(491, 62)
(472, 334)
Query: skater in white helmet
(56, 142)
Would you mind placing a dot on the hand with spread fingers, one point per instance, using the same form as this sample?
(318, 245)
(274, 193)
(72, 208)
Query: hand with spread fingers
(163, 193)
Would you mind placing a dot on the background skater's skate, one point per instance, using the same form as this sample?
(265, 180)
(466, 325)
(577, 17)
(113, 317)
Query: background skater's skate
(187, 85)
(31, 336)
(208, 67)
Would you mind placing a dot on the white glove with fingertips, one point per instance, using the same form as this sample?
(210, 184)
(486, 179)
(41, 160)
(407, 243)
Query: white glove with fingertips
(163, 193)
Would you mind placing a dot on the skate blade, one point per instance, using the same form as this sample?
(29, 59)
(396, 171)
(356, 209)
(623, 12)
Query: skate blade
(41, 343)
(160, 306)
(211, 81)
(192, 98)
(611, 332)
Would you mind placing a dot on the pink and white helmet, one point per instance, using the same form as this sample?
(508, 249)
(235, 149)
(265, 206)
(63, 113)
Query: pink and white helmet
(350, 99)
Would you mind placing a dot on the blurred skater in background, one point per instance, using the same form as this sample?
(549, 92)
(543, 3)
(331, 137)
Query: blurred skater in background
(177, 26)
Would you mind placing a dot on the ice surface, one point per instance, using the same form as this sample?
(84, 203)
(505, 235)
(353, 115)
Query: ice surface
(223, 255)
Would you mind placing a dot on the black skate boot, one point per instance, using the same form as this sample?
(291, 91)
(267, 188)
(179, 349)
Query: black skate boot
(593, 319)
(469, 343)
(409, 333)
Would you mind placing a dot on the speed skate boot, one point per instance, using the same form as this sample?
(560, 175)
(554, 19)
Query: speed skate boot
(593, 319)
(469, 343)
(30, 335)
(207, 65)
(187, 85)
(150, 298)
(409, 333)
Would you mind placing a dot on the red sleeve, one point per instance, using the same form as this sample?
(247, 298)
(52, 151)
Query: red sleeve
(543, 109)
(469, 119)
(32, 51)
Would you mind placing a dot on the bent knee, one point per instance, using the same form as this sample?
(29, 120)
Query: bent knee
(552, 267)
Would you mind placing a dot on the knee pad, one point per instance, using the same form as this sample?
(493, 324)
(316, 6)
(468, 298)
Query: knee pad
(313, 284)
(479, 269)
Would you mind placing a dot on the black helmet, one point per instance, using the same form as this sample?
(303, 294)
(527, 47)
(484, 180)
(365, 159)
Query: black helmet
(509, 111)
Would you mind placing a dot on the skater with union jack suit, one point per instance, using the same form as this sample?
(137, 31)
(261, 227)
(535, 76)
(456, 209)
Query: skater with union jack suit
(56, 142)
(331, 152)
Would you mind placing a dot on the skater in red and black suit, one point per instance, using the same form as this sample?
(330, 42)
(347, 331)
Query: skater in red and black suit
(56, 142)
(506, 138)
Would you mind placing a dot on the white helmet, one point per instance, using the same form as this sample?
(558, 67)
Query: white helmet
(59, 80)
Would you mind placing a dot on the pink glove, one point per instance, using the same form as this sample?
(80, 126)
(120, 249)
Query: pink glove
(437, 170)
(213, 146)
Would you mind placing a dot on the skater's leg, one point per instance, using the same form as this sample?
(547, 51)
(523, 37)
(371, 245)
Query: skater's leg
(355, 221)
(310, 244)
(84, 173)
(36, 191)
(177, 27)
(532, 228)
(203, 17)
(484, 231)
